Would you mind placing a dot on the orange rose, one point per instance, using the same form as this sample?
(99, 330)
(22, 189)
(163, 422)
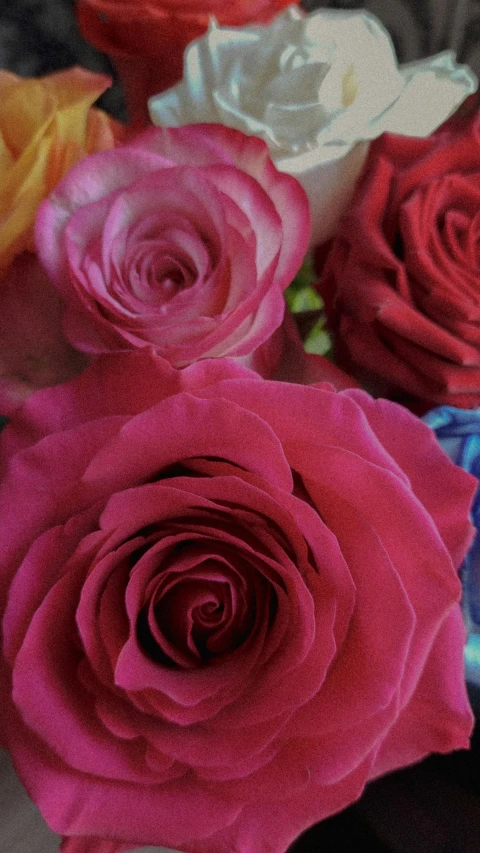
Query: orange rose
(46, 125)
(147, 38)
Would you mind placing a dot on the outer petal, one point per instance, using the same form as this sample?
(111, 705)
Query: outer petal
(83, 185)
(125, 384)
(433, 722)
(447, 506)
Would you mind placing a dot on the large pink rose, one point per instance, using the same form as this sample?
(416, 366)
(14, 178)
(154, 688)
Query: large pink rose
(227, 603)
(185, 240)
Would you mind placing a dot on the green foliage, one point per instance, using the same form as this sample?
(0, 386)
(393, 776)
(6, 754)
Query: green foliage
(318, 340)
(303, 299)
(301, 295)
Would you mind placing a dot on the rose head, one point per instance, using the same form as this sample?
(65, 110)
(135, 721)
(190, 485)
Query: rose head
(227, 603)
(146, 38)
(316, 88)
(183, 240)
(46, 125)
(401, 282)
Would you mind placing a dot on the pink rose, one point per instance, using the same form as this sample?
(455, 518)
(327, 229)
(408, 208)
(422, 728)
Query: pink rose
(183, 240)
(227, 603)
(33, 350)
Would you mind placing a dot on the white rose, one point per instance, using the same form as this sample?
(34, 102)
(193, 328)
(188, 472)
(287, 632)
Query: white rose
(316, 88)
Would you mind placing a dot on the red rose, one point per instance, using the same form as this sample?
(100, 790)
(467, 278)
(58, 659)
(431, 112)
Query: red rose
(227, 603)
(402, 279)
(147, 38)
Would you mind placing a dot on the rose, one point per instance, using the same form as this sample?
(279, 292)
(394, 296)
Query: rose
(227, 602)
(458, 432)
(401, 280)
(184, 240)
(46, 125)
(146, 38)
(33, 351)
(316, 88)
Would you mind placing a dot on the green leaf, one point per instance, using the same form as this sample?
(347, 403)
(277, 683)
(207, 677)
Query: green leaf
(306, 299)
(301, 295)
(318, 340)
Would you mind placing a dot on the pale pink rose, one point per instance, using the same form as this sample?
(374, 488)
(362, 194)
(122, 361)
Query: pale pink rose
(184, 240)
(227, 603)
(33, 349)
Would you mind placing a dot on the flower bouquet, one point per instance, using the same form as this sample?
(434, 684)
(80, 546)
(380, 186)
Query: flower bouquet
(229, 576)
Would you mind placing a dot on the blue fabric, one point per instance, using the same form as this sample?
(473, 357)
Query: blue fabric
(458, 431)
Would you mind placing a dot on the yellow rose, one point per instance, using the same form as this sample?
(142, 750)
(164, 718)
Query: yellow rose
(46, 125)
